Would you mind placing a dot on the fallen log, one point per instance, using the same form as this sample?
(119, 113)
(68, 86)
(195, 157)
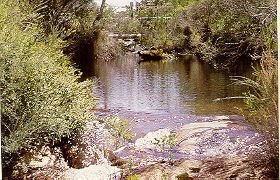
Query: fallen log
(151, 55)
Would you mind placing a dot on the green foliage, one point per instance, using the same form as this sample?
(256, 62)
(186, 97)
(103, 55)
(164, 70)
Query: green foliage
(229, 31)
(269, 35)
(41, 98)
(62, 14)
(169, 142)
(126, 25)
(262, 101)
(221, 32)
(119, 129)
(158, 25)
(133, 177)
(252, 102)
(79, 24)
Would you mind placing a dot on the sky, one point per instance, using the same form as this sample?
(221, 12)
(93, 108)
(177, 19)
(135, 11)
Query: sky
(117, 3)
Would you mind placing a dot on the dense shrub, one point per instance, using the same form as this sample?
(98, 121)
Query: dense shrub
(41, 98)
(228, 31)
(62, 14)
(262, 104)
(222, 32)
(80, 24)
(160, 26)
(262, 99)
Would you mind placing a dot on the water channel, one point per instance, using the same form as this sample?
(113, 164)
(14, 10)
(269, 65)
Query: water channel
(186, 85)
(159, 94)
(180, 96)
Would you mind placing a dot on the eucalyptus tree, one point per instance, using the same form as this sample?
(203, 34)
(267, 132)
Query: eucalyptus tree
(62, 13)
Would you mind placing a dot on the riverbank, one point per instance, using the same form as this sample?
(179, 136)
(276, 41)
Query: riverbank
(167, 143)
(47, 126)
(212, 147)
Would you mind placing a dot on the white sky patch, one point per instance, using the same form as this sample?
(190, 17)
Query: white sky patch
(117, 3)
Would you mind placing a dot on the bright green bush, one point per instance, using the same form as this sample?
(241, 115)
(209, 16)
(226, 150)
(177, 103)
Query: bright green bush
(120, 129)
(41, 98)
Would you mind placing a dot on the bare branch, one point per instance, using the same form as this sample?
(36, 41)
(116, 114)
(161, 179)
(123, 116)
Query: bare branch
(100, 12)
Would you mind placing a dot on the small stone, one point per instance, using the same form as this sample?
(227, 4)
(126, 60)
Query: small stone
(39, 164)
(194, 170)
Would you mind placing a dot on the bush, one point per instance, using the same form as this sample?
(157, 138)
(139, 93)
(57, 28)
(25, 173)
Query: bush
(230, 31)
(62, 14)
(120, 129)
(262, 100)
(41, 98)
(262, 103)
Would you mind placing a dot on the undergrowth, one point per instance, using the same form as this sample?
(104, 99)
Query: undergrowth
(262, 99)
(262, 103)
(41, 98)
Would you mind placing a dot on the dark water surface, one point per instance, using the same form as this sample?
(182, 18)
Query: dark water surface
(182, 86)
(179, 95)
(164, 94)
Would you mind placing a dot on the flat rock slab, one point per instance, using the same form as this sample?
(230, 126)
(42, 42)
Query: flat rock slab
(94, 172)
(220, 137)
(213, 168)
(215, 147)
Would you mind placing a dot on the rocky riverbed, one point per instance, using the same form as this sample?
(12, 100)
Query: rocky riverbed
(220, 147)
(212, 147)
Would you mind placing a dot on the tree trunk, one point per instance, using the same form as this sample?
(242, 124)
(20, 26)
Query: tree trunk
(100, 12)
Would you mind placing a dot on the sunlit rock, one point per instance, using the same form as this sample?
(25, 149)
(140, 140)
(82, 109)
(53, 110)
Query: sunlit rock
(94, 172)
(152, 139)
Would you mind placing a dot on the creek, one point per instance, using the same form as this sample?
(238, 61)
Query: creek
(181, 130)
(186, 97)
(164, 94)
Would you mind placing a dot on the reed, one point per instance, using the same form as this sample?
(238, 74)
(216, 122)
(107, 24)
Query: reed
(262, 99)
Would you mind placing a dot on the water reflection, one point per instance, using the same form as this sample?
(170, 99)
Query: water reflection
(185, 86)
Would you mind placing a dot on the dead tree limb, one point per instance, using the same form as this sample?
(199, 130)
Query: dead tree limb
(100, 13)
